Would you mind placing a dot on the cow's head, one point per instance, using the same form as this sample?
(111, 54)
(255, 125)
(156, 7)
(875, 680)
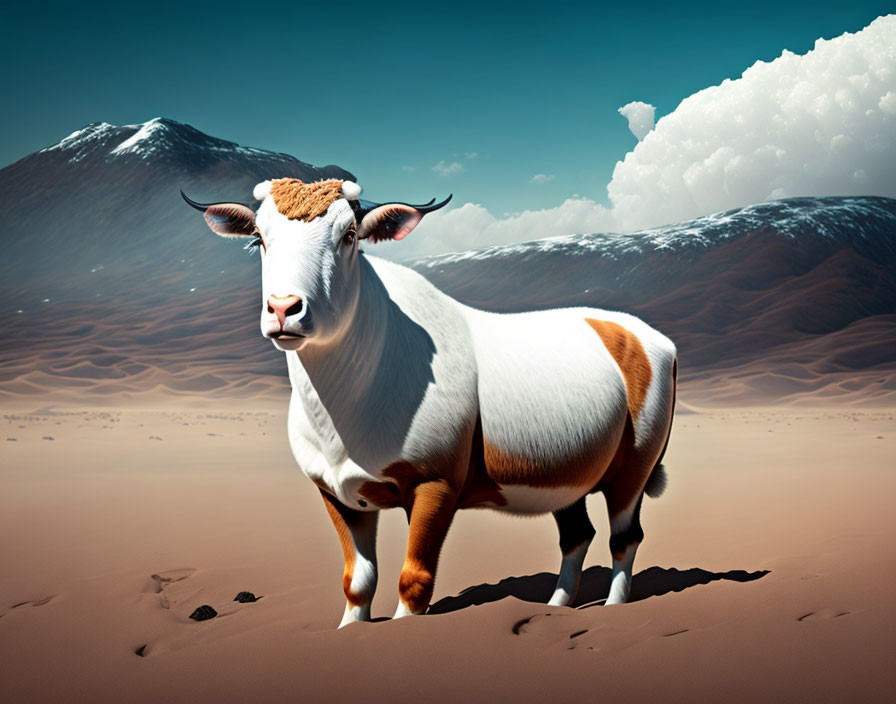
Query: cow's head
(308, 236)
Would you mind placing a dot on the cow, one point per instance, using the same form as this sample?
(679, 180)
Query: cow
(404, 397)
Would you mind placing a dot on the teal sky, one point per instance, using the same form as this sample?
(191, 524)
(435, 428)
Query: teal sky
(505, 90)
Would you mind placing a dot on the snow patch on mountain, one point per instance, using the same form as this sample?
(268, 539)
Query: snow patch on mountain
(144, 133)
(84, 141)
(791, 218)
(147, 140)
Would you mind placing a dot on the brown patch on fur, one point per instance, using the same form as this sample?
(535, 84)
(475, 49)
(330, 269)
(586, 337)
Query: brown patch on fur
(404, 477)
(298, 200)
(479, 489)
(344, 517)
(627, 350)
(624, 452)
(584, 469)
(631, 467)
(430, 502)
(381, 494)
(432, 505)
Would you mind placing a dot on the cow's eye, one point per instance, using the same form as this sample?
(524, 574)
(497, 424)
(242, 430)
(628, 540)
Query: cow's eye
(348, 237)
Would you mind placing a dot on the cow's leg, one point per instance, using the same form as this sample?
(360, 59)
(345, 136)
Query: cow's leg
(576, 534)
(625, 537)
(430, 511)
(357, 533)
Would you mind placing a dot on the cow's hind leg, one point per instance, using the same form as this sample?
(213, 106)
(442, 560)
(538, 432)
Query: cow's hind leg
(626, 535)
(576, 534)
(357, 533)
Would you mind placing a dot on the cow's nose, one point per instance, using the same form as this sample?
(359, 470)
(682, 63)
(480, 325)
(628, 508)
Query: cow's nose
(284, 306)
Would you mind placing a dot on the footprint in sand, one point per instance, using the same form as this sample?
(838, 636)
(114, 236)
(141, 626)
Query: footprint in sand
(821, 615)
(161, 580)
(22, 604)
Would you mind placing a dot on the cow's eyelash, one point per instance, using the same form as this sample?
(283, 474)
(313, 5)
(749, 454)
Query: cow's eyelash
(254, 243)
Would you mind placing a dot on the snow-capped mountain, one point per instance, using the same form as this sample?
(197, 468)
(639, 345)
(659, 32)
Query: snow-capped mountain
(729, 288)
(861, 222)
(110, 282)
(161, 139)
(105, 199)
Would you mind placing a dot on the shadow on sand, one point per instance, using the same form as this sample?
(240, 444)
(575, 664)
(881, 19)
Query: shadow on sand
(654, 581)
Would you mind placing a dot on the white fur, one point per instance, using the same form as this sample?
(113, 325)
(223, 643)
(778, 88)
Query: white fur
(570, 576)
(261, 190)
(354, 613)
(621, 579)
(391, 369)
(351, 190)
(402, 610)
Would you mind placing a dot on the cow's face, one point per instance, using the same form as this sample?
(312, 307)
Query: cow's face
(308, 237)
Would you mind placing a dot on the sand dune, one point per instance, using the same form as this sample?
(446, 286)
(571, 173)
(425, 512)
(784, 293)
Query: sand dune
(790, 302)
(763, 574)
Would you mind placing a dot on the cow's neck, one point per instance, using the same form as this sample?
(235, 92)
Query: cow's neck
(338, 374)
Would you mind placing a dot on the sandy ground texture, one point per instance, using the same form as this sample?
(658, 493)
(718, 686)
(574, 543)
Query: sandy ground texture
(767, 572)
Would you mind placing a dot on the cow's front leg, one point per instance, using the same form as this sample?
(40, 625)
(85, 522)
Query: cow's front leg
(357, 533)
(430, 510)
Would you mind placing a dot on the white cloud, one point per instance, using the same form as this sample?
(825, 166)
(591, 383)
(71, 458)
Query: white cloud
(471, 226)
(822, 123)
(471, 155)
(640, 117)
(888, 103)
(802, 125)
(542, 178)
(409, 168)
(445, 169)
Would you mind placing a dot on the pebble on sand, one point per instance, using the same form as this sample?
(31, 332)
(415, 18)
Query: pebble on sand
(203, 613)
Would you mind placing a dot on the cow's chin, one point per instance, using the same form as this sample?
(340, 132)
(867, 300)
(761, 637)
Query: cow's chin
(289, 344)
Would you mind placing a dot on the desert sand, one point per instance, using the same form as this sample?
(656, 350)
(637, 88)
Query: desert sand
(766, 572)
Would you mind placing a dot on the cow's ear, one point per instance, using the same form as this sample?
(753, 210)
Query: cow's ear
(226, 219)
(394, 221)
(389, 222)
(231, 220)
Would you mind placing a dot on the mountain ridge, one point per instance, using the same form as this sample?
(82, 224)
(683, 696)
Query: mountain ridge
(123, 209)
(115, 288)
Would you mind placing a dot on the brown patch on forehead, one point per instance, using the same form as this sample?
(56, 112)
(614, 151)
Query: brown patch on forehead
(298, 200)
(627, 350)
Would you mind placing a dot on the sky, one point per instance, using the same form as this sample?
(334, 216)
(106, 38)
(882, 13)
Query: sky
(510, 106)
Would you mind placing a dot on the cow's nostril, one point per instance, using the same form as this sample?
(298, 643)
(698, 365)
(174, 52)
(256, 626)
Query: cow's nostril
(284, 307)
(294, 308)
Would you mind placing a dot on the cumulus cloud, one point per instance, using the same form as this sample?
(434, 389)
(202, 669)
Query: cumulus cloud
(822, 123)
(542, 178)
(802, 125)
(443, 168)
(640, 117)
